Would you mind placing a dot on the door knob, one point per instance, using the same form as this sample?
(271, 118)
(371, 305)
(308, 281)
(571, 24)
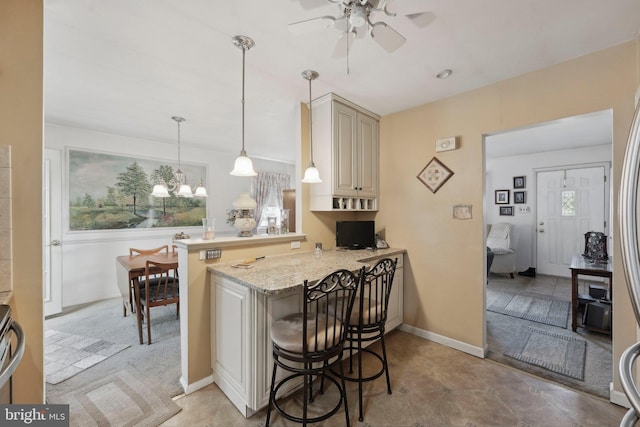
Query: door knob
(56, 243)
(540, 230)
(541, 222)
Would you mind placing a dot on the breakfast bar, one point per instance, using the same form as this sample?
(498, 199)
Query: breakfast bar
(247, 296)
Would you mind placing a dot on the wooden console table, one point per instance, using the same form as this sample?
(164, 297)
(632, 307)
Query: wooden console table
(579, 265)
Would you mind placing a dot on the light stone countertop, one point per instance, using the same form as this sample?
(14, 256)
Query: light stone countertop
(281, 273)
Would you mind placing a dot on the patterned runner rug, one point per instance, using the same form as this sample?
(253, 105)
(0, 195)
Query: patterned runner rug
(531, 307)
(553, 351)
(124, 398)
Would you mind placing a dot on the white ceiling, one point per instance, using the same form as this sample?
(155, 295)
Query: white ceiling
(126, 67)
(585, 130)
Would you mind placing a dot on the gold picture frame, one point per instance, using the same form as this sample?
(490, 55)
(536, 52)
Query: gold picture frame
(434, 175)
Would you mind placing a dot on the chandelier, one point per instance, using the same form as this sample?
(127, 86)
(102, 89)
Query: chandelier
(178, 184)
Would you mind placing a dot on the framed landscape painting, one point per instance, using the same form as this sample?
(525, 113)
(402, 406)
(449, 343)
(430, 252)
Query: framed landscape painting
(109, 191)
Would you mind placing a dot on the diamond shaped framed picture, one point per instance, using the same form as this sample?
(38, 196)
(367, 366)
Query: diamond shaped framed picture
(434, 175)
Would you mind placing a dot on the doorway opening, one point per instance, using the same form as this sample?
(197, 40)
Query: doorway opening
(540, 168)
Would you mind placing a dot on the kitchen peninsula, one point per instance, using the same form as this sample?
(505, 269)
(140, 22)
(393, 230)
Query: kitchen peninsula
(246, 301)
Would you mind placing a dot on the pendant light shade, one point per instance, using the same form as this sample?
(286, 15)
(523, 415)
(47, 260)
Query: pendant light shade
(243, 165)
(311, 174)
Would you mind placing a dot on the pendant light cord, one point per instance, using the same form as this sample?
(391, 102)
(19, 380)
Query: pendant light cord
(243, 53)
(310, 126)
(179, 163)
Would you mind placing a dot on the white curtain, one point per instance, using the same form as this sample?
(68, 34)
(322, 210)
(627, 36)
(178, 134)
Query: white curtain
(268, 186)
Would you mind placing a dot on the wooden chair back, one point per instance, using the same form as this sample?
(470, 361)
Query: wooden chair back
(161, 287)
(136, 251)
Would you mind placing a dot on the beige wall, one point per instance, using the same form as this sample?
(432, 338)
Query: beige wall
(444, 284)
(21, 127)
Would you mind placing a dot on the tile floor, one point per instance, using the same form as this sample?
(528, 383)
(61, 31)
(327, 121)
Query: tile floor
(433, 385)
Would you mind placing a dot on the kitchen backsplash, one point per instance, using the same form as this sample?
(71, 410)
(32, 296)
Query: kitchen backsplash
(6, 283)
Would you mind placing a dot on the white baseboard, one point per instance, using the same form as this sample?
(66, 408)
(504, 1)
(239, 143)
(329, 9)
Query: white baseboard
(190, 388)
(618, 397)
(440, 339)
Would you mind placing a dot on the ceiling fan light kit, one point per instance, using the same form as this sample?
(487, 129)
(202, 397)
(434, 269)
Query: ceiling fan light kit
(355, 15)
(243, 165)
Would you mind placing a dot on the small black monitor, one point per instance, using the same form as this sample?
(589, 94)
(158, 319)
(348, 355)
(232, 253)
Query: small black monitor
(355, 234)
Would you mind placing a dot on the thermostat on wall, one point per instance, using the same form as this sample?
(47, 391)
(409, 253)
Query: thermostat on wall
(446, 144)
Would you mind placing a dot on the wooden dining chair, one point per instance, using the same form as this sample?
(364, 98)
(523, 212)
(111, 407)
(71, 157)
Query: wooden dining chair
(134, 252)
(165, 291)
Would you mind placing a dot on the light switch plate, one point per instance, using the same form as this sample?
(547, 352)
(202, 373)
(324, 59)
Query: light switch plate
(446, 144)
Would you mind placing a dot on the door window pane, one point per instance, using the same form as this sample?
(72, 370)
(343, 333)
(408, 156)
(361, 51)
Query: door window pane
(568, 203)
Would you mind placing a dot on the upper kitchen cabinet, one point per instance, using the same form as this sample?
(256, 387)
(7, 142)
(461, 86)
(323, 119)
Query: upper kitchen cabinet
(345, 138)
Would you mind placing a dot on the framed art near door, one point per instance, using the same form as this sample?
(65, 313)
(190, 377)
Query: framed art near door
(502, 197)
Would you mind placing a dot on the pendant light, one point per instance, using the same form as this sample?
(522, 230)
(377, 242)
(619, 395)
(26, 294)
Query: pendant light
(243, 165)
(179, 182)
(311, 174)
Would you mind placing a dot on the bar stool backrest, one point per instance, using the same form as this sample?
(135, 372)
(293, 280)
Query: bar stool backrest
(324, 332)
(375, 291)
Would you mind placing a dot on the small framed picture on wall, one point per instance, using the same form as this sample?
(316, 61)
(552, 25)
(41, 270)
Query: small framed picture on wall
(519, 197)
(502, 197)
(519, 181)
(506, 210)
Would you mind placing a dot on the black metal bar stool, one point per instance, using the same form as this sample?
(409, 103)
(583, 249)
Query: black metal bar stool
(310, 343)
(368, 319)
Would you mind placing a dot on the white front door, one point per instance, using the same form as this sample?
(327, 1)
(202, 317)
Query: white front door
(570, 203)
(52, 232)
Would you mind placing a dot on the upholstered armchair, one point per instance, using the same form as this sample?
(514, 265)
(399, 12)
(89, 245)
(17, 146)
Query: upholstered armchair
(503, 240)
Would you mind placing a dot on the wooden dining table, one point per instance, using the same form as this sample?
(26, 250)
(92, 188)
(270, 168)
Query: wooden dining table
(129, 270)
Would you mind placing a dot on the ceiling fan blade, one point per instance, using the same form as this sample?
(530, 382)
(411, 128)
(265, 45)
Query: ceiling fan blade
(340, 49)
(422, 20)
(407, 7)
(341, 24)
(311, 25)
(387, 37)
(311, 4)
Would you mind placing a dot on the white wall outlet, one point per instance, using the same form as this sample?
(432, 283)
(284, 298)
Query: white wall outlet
(295, 244)
(446, 144)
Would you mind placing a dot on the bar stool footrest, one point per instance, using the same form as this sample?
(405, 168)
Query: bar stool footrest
(319, 418)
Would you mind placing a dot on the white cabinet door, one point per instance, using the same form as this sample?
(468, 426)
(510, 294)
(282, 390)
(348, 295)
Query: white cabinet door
(231, 343)
(367, 156)
(345, 180)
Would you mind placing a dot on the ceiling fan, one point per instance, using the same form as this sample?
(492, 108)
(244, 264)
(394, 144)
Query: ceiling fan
(356, 20)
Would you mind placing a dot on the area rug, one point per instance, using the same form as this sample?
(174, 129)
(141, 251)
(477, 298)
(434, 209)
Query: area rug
(124, 398)
(531, 307)
(553, 351)
(68, 354)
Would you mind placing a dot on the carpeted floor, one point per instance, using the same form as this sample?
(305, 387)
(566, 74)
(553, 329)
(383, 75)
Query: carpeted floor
(503, 330)
(103, 320)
